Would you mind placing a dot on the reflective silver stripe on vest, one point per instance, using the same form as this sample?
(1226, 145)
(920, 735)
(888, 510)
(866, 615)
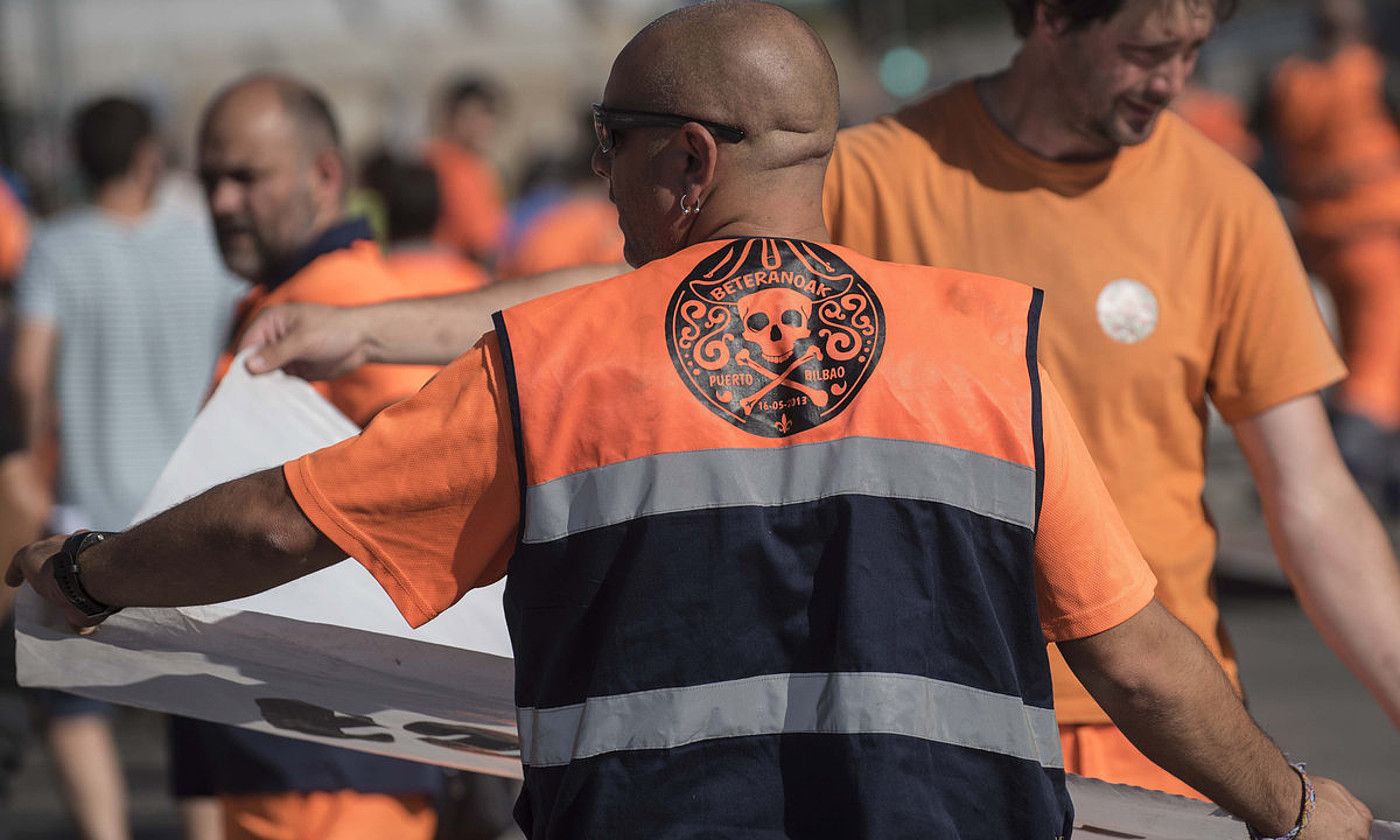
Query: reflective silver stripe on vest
(718, 478)
(854, 703)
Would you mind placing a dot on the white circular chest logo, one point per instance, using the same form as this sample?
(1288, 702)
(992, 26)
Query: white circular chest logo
(1127, 311)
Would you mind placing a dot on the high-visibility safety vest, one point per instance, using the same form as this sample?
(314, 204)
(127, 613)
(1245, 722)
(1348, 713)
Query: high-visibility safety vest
(775, 568)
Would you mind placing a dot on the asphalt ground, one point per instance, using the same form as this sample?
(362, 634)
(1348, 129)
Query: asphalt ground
(1298, 691)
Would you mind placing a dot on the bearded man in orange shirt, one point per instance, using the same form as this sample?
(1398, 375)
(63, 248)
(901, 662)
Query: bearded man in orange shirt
(1170, 278)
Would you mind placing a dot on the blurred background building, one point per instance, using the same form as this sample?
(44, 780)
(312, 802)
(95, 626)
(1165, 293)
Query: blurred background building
(381, 60)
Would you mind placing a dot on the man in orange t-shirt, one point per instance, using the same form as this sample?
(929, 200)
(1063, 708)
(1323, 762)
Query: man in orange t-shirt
(422, 268)
(725, 621)
(473, 210)
(1170, 279)
(1340, 147)
(274, 178)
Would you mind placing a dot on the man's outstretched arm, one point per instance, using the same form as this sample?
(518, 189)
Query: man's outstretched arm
(1170, 697)
(323, 342)
(1329, 541)
(237, 539)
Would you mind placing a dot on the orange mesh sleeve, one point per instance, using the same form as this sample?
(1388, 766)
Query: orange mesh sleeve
(427, 498)
(1090, 574)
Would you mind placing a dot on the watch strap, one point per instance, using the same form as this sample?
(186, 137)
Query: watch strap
(67, 575)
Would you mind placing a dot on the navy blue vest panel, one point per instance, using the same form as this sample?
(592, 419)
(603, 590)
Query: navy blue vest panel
(801, 786)
(723, 602)
(845, 584)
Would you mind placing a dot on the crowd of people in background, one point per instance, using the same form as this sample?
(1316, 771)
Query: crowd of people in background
(120, 314)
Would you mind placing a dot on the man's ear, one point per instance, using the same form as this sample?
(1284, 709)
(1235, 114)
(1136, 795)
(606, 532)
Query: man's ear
(702, 159)
(328, 172)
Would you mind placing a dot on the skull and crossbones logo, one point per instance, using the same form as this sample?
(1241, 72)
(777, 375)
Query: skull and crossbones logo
(775, 336)
(774, 321)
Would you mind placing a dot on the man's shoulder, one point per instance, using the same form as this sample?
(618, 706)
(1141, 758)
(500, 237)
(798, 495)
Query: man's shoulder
(79, 223)
(1181, 151)
(947, 292)
(936, 276)
(428, 273)
(67, 248)
(343, 277)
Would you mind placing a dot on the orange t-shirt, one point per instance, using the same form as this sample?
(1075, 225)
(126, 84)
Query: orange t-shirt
(429, 273)
(579, 231)
(473, 212)
(351, 276)
(1340, 145)
(1169, 277)
(428, 499)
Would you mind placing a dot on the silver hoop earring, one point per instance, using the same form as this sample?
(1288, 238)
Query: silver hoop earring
(689, 211)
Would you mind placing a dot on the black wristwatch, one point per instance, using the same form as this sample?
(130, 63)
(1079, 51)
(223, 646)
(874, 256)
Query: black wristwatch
(66, 574)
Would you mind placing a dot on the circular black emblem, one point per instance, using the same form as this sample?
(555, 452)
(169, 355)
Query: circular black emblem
(774, 335)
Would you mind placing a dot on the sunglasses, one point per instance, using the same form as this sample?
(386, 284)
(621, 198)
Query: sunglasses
(608, 121)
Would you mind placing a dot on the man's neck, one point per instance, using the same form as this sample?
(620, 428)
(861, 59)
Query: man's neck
(811, 230)
(811, 233)
(126, 199)
(787, 205)
(1023, 105)
(328, 233)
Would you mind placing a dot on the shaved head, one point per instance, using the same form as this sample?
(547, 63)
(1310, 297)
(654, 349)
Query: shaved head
(272, 170)
(305, 108)
(738, 63)
(749, 64)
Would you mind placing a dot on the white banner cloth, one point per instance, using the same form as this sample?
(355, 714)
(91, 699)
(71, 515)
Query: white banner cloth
(327, 658)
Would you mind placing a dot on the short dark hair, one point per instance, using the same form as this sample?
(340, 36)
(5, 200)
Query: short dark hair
(106, 134)
(412, 200)
(466, 89)
(1082, 13)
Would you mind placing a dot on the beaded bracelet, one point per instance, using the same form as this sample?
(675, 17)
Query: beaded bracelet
(1305, 813)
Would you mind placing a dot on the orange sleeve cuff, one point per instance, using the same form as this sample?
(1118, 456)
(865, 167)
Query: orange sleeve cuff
(1262, 399)
(1101, 617)
(336, 529)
